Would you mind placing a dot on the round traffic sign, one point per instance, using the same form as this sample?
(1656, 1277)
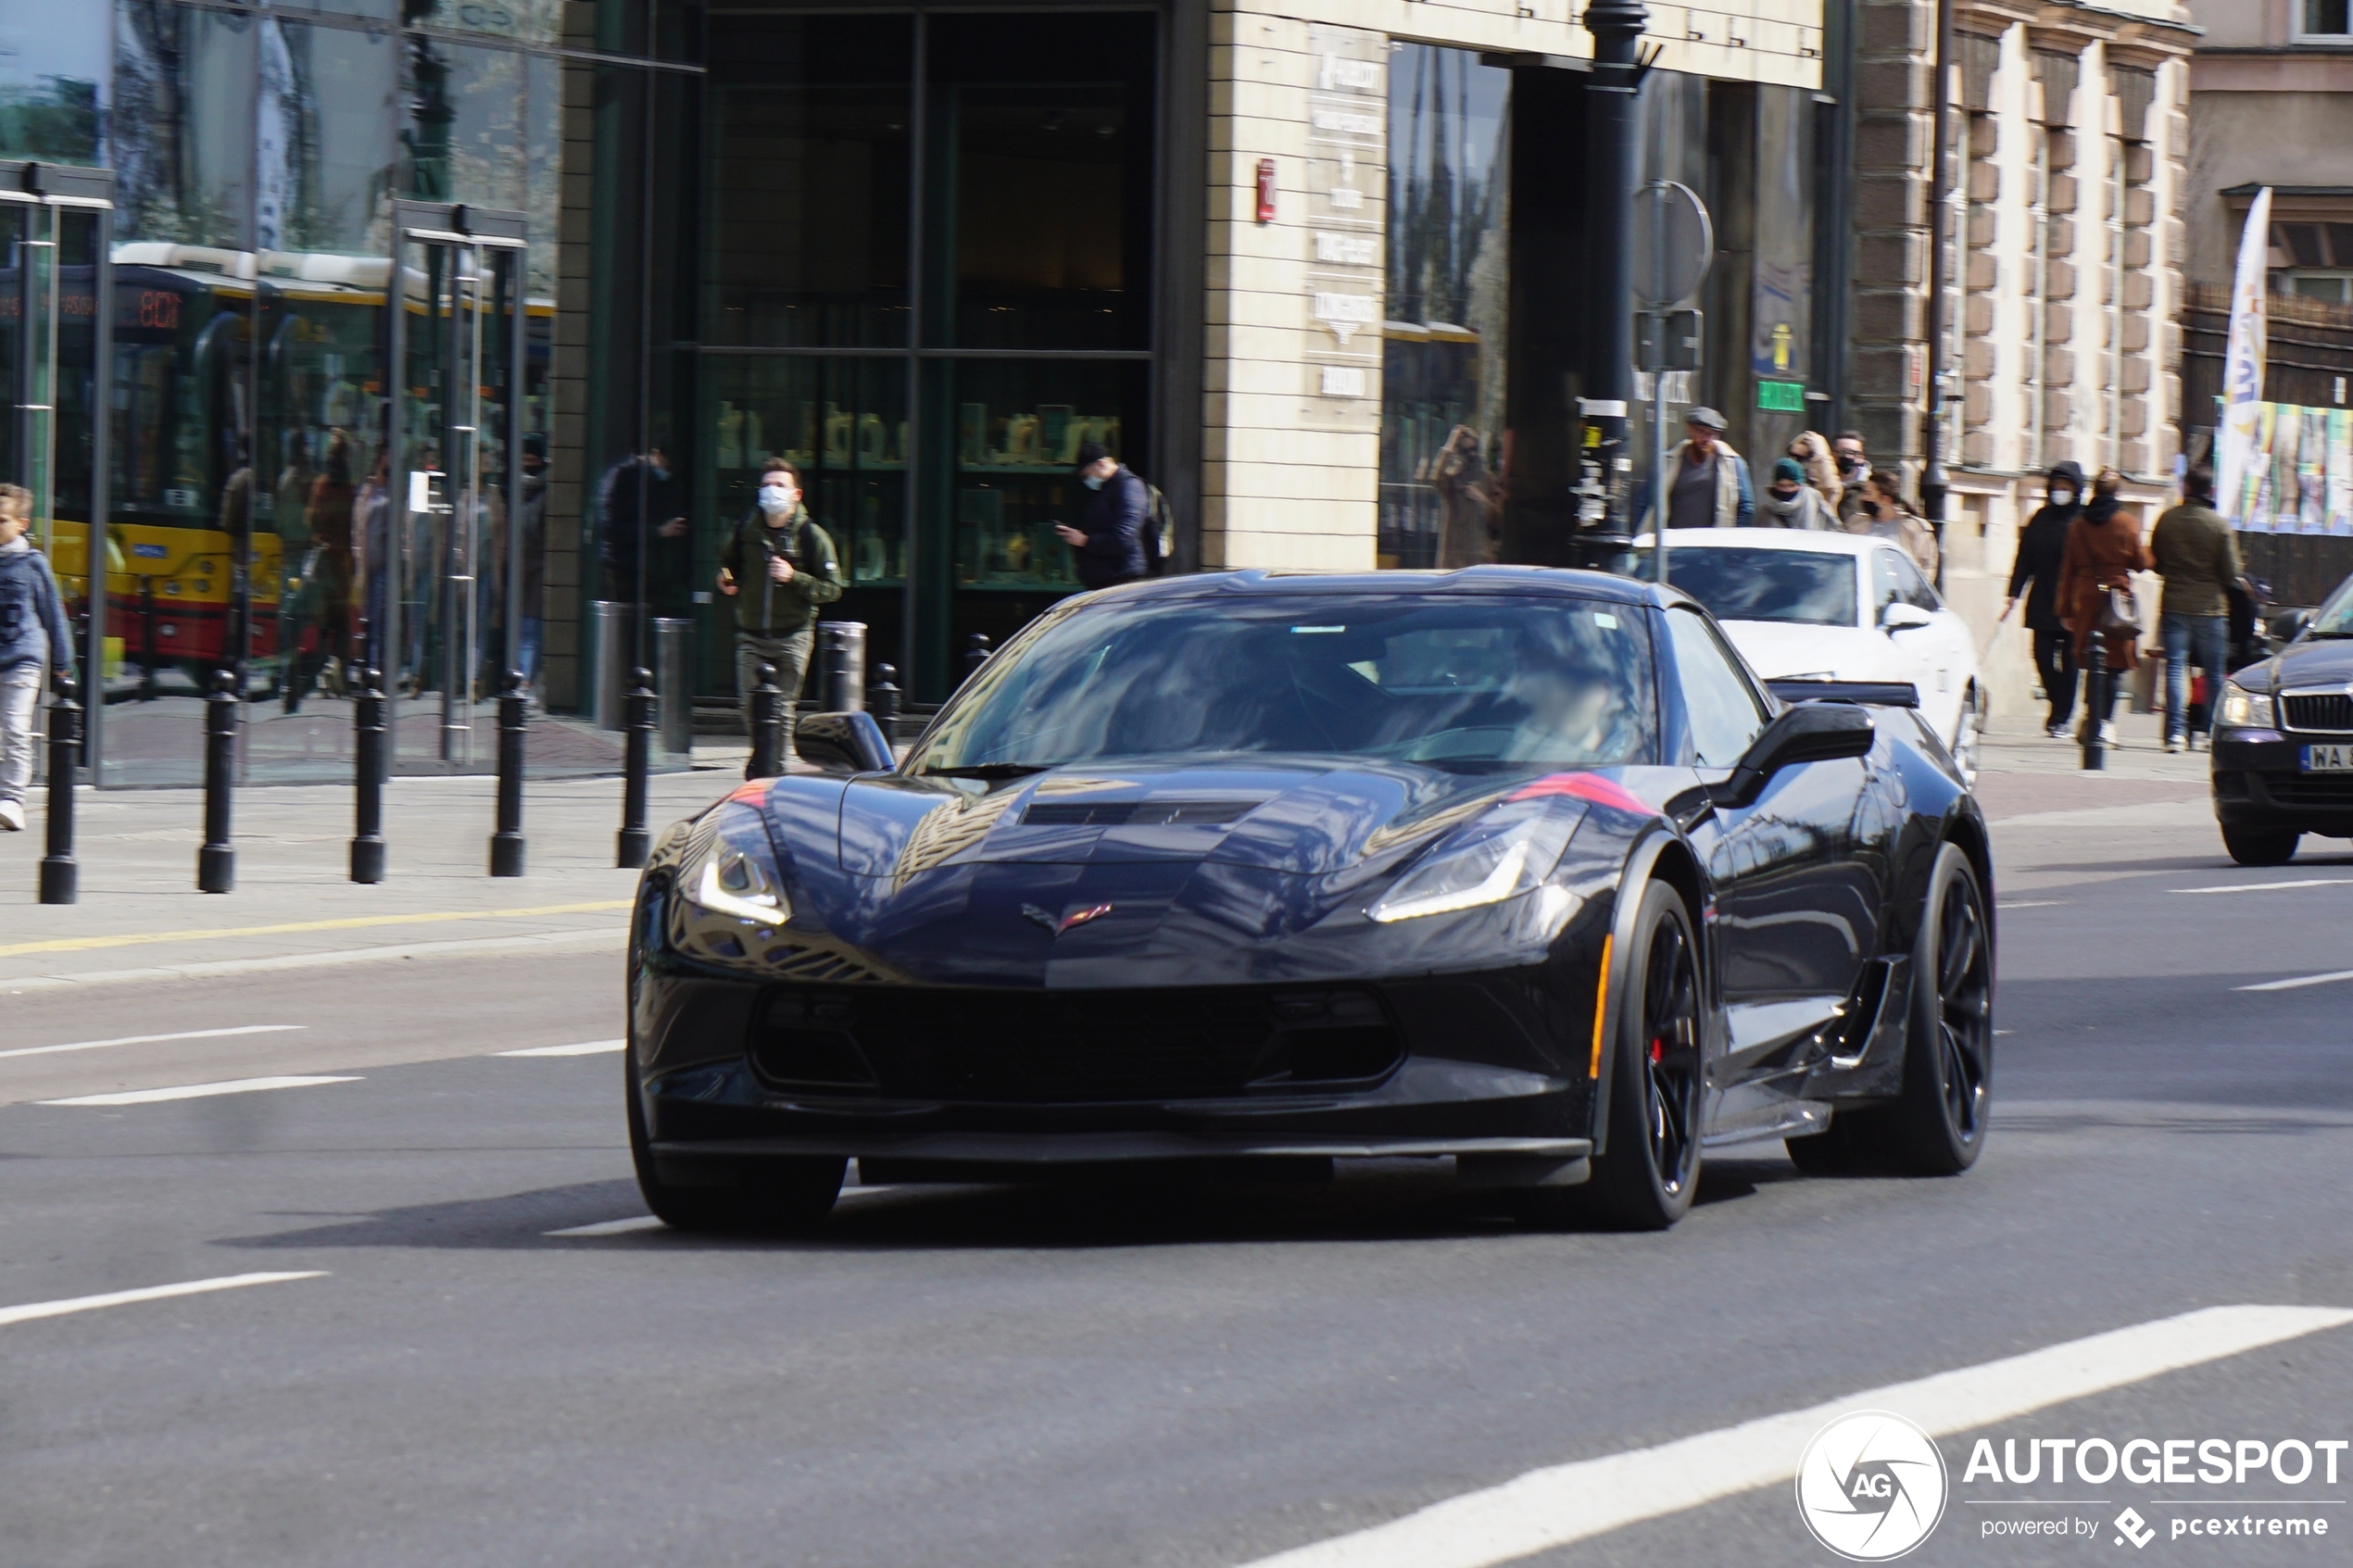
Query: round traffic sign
(1674, 243)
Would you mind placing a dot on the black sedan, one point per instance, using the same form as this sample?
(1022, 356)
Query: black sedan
(2283, 753)
(1517, 867)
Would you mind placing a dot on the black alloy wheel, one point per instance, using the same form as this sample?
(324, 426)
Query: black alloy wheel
(1937, 1127)
(1656, 1092)
(764, 1197)
(2261, 847)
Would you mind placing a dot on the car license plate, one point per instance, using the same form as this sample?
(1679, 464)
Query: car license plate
(2326, 760)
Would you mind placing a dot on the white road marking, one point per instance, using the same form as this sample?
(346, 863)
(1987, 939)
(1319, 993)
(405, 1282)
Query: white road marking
(585, 1048)
(1571, 1503)
(196, 1091)
(647, 1223)
(150, 1039)
(2035, 904)
(2299, 982)
(473, 947)
(611, 1227)
(2269, 886)
(152, 1292)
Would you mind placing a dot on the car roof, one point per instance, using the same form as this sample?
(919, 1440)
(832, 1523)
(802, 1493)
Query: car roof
(1804, 539)
(1545, 580)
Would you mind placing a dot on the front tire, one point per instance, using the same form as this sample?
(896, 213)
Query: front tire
(1936, 1127)
(759, 1197)
(1656, 1090)
(2261, 847)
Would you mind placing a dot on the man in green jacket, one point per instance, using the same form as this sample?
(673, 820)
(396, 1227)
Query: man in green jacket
(2198, 558)
(778, 566)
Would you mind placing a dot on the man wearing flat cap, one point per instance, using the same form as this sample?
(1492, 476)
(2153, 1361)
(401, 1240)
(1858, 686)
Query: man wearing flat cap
(1109, 541)
(1708, 486)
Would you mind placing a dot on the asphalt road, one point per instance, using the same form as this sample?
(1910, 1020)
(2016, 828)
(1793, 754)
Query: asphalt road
(996, 1376)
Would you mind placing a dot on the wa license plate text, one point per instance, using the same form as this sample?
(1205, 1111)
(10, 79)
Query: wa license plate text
(2327, 759)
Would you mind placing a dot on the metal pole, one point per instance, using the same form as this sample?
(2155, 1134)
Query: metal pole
(368, 779)
(1934, 480)
(390, 566)
(506, 844)
(635, 840)
(1616, 26)
(217, 862)
(94, 732)
(2095, 709)
(882, 699)
(60, 876)
(767, 728)
(1659, 472)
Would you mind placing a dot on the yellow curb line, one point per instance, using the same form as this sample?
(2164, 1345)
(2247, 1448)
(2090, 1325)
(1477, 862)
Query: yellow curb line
(355, 923)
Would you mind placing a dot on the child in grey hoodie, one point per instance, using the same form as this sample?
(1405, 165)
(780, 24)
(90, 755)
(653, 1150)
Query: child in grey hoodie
(32, 632)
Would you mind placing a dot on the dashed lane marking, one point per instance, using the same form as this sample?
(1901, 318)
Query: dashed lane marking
(150, 1039)
(151, 1293)
(1571, 1503)
(2271, 887)
(350, 923)
(585, 1048)
(196, 1091)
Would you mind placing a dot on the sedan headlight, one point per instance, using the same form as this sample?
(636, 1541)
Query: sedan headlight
(735, 873)
(1504, 853)
(2245, 710)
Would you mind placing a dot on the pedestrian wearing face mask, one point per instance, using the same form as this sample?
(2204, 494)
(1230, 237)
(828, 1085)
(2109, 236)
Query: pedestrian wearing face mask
(1109, 540)
(1813, 456)
(778, 566)
(1790, 502)
(2042, 546)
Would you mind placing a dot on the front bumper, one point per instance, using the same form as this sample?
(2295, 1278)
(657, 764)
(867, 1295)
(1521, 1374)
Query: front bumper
(1467, 1065)
(2256, 785)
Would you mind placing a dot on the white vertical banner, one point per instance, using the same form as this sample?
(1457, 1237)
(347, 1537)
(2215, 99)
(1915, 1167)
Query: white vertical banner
(2236, 441)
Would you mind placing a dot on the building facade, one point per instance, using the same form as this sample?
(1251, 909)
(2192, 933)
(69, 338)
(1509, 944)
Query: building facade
(422, 332)
(2271, 105)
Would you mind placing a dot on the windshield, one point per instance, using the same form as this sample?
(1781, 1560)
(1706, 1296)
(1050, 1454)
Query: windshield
(1802, 587)
(1466, 685)
(2334, 618)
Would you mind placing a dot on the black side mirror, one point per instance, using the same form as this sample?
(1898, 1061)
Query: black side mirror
(850, 743)
(2289, 624)
(1812, 732)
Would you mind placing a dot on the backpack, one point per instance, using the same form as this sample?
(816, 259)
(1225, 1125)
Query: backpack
(1160, 530)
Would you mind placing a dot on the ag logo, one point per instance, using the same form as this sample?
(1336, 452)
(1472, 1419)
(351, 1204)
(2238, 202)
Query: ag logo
(1872, 1486)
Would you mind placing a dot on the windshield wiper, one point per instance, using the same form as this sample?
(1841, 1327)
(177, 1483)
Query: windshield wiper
(990, 771)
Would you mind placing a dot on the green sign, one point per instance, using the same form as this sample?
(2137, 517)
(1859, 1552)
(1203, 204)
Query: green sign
(1782, 396)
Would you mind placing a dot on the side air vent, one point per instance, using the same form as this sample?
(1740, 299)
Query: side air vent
(1135, 813)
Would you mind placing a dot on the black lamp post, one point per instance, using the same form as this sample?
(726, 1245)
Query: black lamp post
(1603, 529)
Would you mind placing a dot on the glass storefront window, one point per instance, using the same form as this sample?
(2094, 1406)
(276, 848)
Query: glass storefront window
(1018, 428)
(1041, 143)
(466, 126)
(807, 159)
(843, 423)
(52, 80)
(1444, 456)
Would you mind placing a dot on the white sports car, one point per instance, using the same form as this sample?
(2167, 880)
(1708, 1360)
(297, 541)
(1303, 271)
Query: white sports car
(1839, 607)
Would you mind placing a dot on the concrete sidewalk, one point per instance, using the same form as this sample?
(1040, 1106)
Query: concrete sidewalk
(141, 918)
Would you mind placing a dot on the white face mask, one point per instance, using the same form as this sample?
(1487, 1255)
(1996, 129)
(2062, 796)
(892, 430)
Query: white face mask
(774, 498)
(1093, 482)
(2062, 497)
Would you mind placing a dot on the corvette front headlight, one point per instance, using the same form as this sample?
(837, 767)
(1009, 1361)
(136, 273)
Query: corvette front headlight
(2246, 709)
(735, 873)
(1504, 853)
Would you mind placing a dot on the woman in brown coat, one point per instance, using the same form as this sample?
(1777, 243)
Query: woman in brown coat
(2103, 549)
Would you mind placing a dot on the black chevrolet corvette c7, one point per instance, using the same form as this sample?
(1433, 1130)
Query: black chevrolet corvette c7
(1517, 866)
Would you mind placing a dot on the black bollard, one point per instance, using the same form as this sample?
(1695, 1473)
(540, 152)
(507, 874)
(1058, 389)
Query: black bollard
(767, 727)
(506, 844)
(635, 840)
(975, 652)
(60, 878)
(841, 690)
(368, 779)
(882, 700)
(217, 862)
(2094, 706)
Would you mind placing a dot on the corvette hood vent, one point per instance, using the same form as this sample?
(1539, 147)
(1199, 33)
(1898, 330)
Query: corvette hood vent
(1136, 813)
